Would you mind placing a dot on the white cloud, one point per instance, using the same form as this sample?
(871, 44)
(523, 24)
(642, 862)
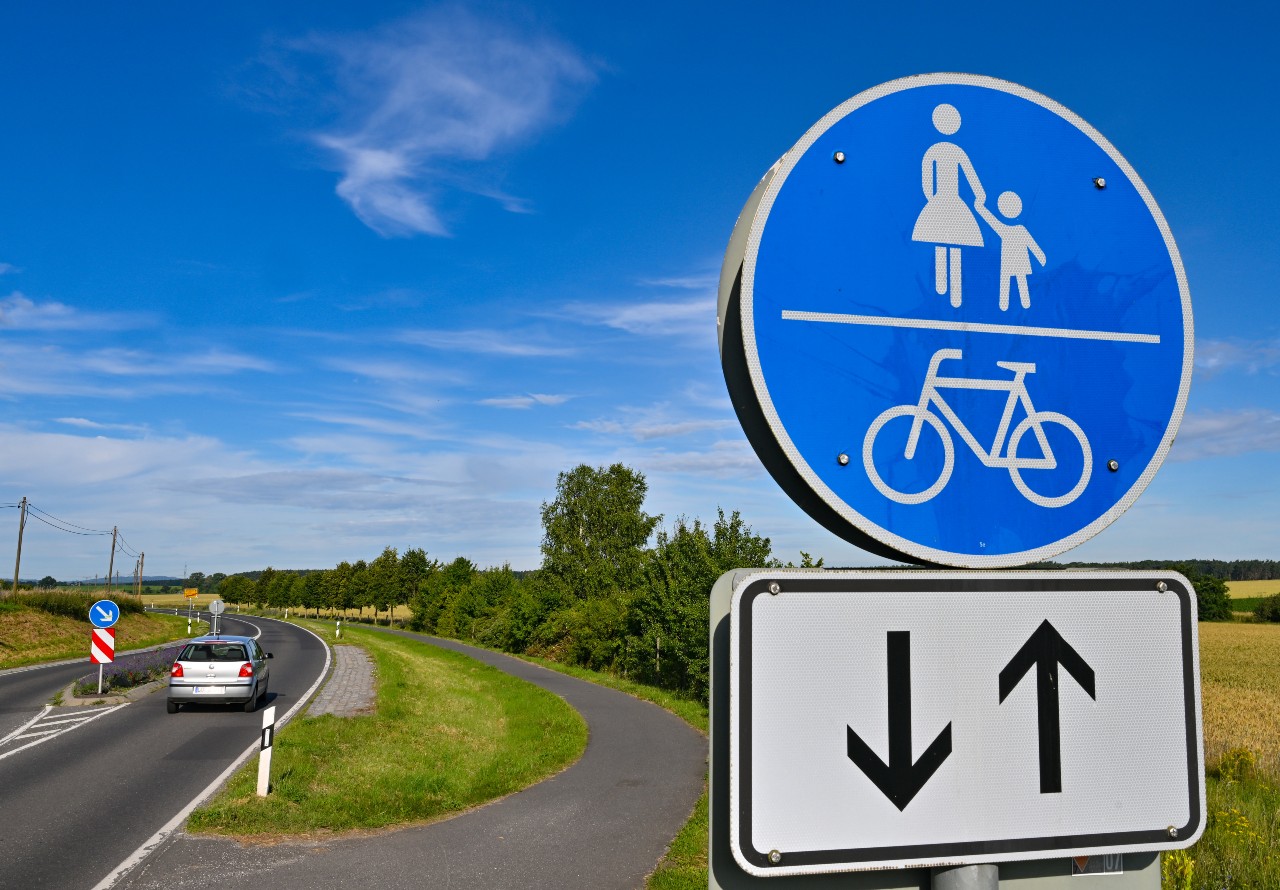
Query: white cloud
(392, 370)
(526, 401)
(424, 97)
(658, 421)
(47, 370)
(723, 460)
(21, 313)
(680, 318)
(419, 431)
(1226, 433)
(708, 281)
(484, 342)
(85, 423)
(1251, 356)
(8, 269)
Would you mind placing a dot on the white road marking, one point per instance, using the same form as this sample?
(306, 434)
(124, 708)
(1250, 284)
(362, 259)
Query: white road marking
(153, 843)
(31, 722)
(44, 737)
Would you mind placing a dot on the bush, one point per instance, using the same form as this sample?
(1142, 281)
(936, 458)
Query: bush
(129, 671)
(1213, 603)
(1268, 609)
(74, 605)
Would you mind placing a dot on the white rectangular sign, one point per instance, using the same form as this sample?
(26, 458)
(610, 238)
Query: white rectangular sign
(909, 719)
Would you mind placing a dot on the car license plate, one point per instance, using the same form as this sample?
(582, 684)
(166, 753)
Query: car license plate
(210, 690)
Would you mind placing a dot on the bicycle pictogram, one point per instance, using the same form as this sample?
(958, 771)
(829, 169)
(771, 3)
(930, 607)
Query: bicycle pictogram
(932, 404)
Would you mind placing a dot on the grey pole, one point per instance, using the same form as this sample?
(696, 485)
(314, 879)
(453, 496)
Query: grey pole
(966, 877)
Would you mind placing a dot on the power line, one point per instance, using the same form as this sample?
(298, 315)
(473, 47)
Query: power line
(65, 522)
(67, 530)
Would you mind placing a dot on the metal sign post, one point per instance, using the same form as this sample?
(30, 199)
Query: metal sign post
(216, 608)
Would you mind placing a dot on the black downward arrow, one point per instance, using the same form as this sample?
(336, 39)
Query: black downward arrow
(900, 779)
(1046, 650)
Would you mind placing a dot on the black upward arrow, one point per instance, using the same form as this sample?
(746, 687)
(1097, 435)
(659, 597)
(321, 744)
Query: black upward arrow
(1046, 650)
(900, 779)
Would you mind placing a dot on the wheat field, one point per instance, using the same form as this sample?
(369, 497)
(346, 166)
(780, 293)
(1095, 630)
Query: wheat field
(1240, 681)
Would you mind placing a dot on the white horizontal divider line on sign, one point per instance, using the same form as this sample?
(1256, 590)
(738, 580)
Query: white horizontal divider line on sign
(967, 327)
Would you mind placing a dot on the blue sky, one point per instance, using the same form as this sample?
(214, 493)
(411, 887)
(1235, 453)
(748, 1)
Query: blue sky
(288, 283)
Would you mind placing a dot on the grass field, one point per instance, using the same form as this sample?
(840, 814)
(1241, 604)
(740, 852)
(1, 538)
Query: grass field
(179, 601)
(1240, 682)
(1252, 589)
(1245, 595)
(29, 636)
(448, 733)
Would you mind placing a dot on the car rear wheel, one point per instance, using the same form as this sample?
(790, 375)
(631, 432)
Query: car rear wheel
(172, 707)
(252, 703)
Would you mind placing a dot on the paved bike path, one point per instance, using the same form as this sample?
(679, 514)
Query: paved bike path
(603, 823)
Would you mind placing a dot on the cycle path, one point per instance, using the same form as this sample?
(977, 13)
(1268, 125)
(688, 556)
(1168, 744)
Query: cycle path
(603, 823)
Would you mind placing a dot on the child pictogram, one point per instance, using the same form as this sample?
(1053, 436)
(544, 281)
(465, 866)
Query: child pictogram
(1016, 248)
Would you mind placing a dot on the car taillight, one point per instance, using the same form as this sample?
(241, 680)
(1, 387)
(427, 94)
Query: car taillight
(176, 670)
(246, 669)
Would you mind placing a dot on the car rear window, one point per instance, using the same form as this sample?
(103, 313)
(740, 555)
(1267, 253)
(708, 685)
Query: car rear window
(213, 652)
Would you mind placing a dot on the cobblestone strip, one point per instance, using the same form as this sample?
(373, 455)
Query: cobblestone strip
(349, 691)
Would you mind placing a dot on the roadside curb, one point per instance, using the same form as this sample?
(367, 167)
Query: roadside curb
(71, 700)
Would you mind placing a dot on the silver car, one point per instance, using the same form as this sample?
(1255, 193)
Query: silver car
(219, 669)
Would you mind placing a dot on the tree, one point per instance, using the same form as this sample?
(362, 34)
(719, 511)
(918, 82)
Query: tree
(414, 569)
(595, 531)
(358, 586)
(666, 624)
(1268, 609)
(48, 582)
(1213, 603)
(262, 587)
(384, 582)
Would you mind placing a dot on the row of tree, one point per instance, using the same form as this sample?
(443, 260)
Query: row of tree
(604, 598)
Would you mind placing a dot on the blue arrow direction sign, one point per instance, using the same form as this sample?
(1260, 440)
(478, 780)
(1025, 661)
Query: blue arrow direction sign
(966, 331)
(104, 613)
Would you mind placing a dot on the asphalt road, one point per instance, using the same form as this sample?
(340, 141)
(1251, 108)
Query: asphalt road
(602, 824)
(73, 807)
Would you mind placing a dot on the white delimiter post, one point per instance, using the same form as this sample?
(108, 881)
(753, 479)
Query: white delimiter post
(264, 754)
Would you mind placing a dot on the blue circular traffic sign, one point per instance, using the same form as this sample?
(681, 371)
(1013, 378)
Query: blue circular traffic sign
(104, 613)
(965, 329)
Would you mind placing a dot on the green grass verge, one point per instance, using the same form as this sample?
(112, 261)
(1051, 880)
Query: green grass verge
(33, 636)
(1240, 847)
(448, 733)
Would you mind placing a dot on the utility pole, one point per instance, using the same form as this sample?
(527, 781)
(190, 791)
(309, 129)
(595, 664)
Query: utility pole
(142, 562)
(22, 522)
(111, 567)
